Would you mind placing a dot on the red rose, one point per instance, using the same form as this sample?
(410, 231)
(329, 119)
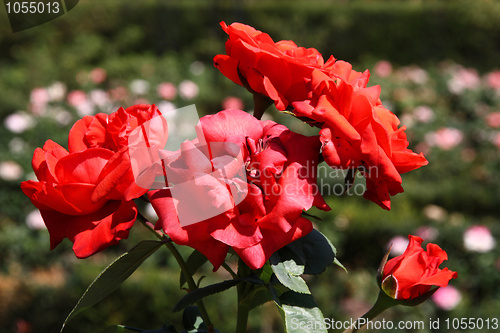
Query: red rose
(281, 71)
(280, 184)
(112, 132)
(68, 197)
(85, 194)
(413, 273)
(359, 133)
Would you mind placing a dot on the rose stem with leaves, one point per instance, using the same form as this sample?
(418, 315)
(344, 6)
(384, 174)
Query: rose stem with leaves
(182, 264)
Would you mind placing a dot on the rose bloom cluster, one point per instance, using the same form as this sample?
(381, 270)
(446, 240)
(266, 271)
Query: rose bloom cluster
(86, 193)
(357, 131)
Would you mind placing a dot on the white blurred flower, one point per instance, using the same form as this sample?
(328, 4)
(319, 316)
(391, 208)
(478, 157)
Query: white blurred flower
(414, 74)
(85, 109)
(63, 117)
(188, 89)
(463, 79)
(56, 91)
(478, 239)
(398, 245)
(139, 86)
(417, 75)
(99, 97)
(435, 213)
(17, 146)
(34, 220)
(197, 68)
(10, 170)
(407, 120)
(167, 108)
(447, 298)
(423, 114)
(19, 122)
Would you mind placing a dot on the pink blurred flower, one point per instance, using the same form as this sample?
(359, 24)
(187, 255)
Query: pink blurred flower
(34, 220)
(493, 119)
(478, 238)
(141, 100)
(39, 98)
(445, 138)
(414, 74)
(398, 245)
(232, 102)
(447, 298)
(493, 80)
(98, 75)
(463, 79)
(423, 114)
(496, 140)
(166, 90)
(383, 68)
(188, 89)
(76, 98)
(118, 93)
(427, 233)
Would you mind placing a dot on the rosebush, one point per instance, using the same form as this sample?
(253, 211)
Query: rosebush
(243, 186)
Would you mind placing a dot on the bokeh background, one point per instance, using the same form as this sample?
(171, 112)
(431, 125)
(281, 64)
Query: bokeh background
(438, 63)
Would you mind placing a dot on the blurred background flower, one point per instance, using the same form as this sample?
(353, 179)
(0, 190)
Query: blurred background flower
(478, 239)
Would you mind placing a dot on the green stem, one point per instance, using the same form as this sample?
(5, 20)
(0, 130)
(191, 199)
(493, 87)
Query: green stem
(243, 310)
(383, 303)
(182, 264)
(229, 270)
(243, 302)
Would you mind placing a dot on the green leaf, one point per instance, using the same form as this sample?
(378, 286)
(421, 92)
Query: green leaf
(193, 263)
(192, 320)
(301, 313)
(113, 275)
(288, 267)
(315, 250)
(198, 294)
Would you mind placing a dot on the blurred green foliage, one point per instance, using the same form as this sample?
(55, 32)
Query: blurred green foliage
(172, 41)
